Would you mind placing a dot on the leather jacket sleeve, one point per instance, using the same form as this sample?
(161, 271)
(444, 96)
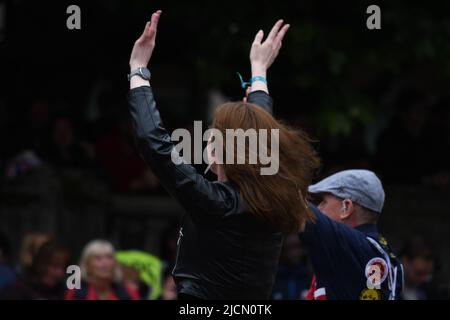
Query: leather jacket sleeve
(261, 99)
(197, 195)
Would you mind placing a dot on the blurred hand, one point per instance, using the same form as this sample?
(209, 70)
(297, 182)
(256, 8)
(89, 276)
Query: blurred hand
(143, 47)
(262, 55)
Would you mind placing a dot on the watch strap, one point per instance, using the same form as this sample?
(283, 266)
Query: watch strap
(138, 72)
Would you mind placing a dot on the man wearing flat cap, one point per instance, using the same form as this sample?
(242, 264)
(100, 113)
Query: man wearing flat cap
(351, 260)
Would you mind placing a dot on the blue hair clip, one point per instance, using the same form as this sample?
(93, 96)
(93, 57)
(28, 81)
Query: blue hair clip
(243, 83)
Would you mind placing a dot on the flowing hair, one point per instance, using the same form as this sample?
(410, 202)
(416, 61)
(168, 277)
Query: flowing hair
(278, 199)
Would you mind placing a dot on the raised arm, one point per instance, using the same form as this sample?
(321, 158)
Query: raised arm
(262, 56)
(143, 50)
(197, 195)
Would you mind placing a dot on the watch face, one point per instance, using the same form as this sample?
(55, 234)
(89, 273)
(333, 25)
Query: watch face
(145, 73)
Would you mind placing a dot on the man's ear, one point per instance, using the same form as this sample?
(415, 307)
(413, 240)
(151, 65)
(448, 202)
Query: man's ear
(347, 209)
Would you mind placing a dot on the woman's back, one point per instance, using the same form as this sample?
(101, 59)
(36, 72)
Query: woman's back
(234, 256)
(224, 251)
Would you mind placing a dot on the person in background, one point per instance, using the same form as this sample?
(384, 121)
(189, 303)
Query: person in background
(132, 279)
(45, 278)
(30, 246)
(121, 164)
(169, 288)
(294, 276)
(7, 274)
(65, 150)
(142, 271)
(350, 258)
(419, 262)
(101, 276)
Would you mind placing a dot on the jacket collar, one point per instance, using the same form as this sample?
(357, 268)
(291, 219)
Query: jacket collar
(369, 229)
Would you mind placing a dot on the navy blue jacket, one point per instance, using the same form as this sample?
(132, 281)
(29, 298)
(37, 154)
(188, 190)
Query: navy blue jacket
(340, 256)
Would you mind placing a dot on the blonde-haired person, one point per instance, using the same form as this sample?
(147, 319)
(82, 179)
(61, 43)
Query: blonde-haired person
(101, 277)
(232, 232)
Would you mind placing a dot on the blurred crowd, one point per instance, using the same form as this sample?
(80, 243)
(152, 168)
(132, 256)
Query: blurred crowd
(41, 271)
(406, 146)
(44, 135)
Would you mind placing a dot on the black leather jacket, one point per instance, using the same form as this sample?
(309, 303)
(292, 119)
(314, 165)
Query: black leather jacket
(224, 252)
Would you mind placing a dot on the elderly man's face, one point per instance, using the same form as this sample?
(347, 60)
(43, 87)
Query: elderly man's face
(331, 206)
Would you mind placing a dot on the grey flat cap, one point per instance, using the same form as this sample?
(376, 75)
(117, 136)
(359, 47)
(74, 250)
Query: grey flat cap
(361, 186)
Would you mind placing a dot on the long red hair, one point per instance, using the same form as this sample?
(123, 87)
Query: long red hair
(279, 199)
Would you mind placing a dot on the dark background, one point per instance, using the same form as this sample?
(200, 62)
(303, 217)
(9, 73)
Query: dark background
(376, 99)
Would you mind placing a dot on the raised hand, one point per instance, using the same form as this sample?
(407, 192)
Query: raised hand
(263, 54)
(143, 47)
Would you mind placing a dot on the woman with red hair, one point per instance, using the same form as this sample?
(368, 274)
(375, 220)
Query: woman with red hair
(231, 235)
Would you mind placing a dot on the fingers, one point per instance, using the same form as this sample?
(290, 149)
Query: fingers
(258, 38)
(276, 28)
(279, 38)
(276, 35)
(144, 33)
(154, 20)
(152, 26)
(282, 33)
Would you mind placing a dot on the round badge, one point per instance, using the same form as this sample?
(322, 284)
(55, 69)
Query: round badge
(376, 271)
(370, 294)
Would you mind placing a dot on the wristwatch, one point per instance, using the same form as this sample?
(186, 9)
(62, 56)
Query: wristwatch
(142, 72)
